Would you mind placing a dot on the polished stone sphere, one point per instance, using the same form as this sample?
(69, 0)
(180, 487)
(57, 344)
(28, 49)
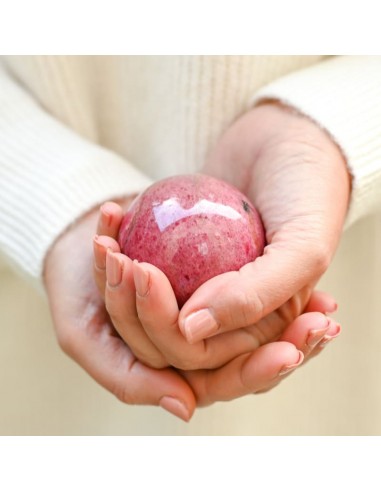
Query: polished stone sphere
(192, 227)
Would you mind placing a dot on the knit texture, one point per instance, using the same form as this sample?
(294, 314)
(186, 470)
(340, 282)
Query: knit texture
(49, 177)
(76, 131)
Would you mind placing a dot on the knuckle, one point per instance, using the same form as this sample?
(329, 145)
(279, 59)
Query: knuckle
(256, 305)
(247, 308)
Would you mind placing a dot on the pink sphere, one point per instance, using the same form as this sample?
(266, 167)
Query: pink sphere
(192, 227)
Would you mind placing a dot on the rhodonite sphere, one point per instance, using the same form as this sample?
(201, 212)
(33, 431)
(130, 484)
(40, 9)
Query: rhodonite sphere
(192, 227)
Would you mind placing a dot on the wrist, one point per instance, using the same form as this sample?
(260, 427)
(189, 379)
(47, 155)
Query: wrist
(268, 125)
(288, 130)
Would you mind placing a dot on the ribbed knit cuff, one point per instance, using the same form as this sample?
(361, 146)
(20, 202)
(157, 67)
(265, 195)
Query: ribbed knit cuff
(49, 177)
(342, 95)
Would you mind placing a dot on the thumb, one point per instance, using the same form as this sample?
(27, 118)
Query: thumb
(239, 299)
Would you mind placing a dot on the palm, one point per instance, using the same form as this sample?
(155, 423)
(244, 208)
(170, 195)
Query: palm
(297, 178)
(86, 334)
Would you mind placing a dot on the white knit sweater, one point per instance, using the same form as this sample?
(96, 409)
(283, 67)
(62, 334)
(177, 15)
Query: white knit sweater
(75, 131)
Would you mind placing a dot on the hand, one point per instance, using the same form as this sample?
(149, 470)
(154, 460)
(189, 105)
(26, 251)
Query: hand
(86, 334)
(143, 309)
(297, 178)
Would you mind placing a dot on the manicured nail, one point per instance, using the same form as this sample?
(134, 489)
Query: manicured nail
(199, 325)
(106, 217)
(114, 269)
(333, 309)
(315, 336)
(332, 333)
(99, 254)
(141, 278)
(176, 407)
(291, 367)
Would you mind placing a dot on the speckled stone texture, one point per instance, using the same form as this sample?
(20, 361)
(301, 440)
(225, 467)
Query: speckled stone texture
(192, 227)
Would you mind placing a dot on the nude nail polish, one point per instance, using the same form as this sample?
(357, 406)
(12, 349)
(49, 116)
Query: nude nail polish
(315, 336)
(329, 337)
(175, 406)
(106, 217)
(99, 254)
(333, 309)
(114, 269)
(199, 325)
(286, 369)
(141, 279)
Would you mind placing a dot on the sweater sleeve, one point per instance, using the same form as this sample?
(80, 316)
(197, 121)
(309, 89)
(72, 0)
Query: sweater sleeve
(343, 95)
(49, 176)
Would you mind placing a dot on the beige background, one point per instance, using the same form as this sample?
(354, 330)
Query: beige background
(43, 392)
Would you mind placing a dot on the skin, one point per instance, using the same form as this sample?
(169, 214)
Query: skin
(298, 180)
(86, 333)
(148, 321)
(130, 347)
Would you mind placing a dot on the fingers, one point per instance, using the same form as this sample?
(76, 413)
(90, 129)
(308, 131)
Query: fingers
(264, 368)
(110, 218)
(235, 299)
(332, 333)
(321, 302)
(120, 299)
(311, 332)
(110, 362)
(249, 373)
(158, 313)
(267, 366)
(306, 331)
(157, 310)
(100, 246)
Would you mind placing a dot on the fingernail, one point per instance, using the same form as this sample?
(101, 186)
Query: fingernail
(332, 333)
(291, 367)
(106, 217)
(175, 406)
(315, 336)
(333, 309)
(99, 254)
(114, 269)
(141, 278)
(199, 325)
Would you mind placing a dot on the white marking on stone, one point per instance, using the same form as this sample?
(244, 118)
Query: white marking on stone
(203, 249)
(170, 211)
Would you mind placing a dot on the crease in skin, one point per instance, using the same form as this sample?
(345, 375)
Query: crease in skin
(170, 211)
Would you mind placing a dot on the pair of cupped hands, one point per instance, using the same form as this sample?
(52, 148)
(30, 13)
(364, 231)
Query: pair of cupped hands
(241, 332)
